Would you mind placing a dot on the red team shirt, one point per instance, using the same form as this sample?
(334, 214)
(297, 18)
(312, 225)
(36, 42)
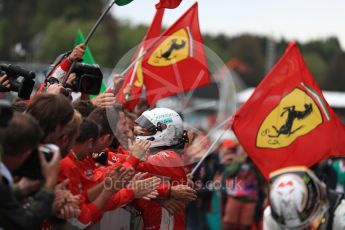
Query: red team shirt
(86, 174)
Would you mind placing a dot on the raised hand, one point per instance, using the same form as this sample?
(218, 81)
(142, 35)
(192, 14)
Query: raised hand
(118, 178)
(55, 89)
(27, 186)
(4, 82)
(139, 148)
(65, 205)
(104, 100)
(50, 169)
(145, 187)
(77, 53)
(118, 82)
(172, 205)
(127, 92)
(140, 176)
(183, 193)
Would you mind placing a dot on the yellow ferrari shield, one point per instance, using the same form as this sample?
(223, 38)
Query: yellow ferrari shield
(173, 49)
(296, 115)
(139, 74)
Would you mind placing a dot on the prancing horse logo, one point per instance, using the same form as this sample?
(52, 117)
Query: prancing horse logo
(174, 46)
(286, 129)
(172, 49)
(294, 116)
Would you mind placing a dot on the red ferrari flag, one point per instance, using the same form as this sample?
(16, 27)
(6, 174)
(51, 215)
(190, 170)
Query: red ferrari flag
(176, 62)
(170, 4)
(287, 121)
(134, 78)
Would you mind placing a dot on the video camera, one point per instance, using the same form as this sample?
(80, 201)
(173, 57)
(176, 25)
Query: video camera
(88, 77)
(21, 80)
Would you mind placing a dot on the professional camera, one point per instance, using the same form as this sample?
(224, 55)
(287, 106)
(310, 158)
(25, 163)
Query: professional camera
(31, 168)
(88, 77)
(6, 113)
(21, 80)
(49, 150)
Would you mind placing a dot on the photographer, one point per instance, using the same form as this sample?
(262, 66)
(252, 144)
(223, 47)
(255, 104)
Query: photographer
(69, 74)
(15, 78)
(58, 88)
(61, 69)
(53, 113)
(18, 138)
(60, 125)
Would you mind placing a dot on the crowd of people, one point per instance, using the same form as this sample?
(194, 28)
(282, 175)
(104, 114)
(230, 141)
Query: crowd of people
(65, 164)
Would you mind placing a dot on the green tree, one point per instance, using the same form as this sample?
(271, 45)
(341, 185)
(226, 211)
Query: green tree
(325, 48)
(47, 28)
(217, 46)
(14, 22)
(336, 73)
(247, 49)
(129, 36)
(56, 41)
(317, 66)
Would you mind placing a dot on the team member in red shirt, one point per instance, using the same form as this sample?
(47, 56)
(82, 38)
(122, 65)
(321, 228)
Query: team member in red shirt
(167, 164)
(96, 194)
(103, 157)
(164, 129)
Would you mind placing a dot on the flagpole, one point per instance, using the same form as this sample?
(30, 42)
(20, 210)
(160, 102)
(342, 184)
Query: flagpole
(136, 63)
(98, 22)
(92, 31)
(133, 63)
(207, 153)
(212, 146)
(139, 57)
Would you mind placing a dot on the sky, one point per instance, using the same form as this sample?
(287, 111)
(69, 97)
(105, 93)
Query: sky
(301, 20)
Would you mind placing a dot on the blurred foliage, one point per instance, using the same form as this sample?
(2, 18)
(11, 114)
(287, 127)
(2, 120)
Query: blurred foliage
(247, 49)
(46, 28)
(317, 65)
(336, 72)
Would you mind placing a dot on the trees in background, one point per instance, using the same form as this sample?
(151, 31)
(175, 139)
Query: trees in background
(39, 30)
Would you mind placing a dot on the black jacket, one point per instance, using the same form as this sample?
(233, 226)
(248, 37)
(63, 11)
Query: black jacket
(14, 216)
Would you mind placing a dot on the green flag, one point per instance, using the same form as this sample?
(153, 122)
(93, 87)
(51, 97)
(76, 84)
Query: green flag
(87, 57)
(122, 2)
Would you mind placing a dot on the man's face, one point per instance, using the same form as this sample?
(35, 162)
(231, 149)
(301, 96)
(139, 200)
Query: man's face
(121, 125)
(130, 123)
(20, 159)
(14, 162)
(103, 142)
(130, 127)
(123, 132)
(68, 142)
(140, 131)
